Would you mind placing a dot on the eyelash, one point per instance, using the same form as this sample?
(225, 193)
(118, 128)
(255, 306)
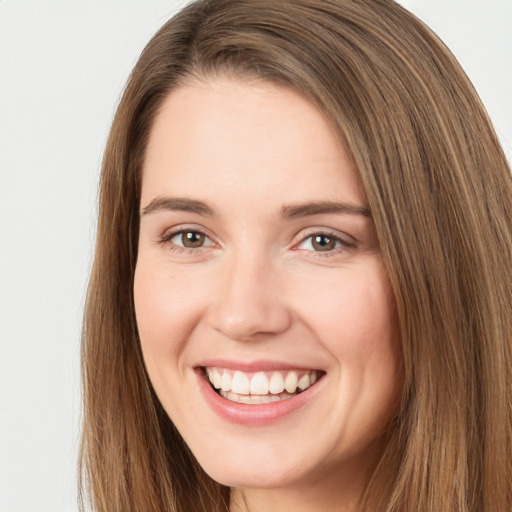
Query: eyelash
(342, 244)
(166, 238)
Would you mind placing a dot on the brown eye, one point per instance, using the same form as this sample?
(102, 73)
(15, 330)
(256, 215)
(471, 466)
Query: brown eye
(186, 239)
(323, 243)
(192, 239)
(327, 243)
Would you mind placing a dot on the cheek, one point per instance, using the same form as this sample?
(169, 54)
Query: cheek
(165, 309)
(353, 311)
(371, 346)
(356, 322)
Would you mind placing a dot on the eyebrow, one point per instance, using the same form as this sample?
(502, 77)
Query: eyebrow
(178, 204)
(323, 207)
(291, 211)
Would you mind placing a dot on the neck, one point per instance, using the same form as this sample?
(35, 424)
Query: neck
(256, 500)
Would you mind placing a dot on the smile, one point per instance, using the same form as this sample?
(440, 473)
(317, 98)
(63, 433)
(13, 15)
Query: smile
(260, 387)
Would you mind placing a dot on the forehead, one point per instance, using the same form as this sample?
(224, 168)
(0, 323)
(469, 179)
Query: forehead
(239, 140)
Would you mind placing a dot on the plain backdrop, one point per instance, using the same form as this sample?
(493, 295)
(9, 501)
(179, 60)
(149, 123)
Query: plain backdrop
(62, 69)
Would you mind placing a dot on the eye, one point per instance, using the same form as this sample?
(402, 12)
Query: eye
(324, 242)
(320, 242)
(189, 239)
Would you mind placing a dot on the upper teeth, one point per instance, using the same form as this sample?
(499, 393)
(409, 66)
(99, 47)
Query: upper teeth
(261, 383)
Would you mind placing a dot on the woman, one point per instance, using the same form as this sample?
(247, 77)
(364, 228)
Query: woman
(302, 294)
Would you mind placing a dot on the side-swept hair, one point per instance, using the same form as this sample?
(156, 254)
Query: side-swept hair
(440, 193)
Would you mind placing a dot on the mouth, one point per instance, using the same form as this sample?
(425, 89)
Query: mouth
(261, 387)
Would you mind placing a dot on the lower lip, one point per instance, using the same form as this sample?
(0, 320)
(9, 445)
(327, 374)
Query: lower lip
(256, 414)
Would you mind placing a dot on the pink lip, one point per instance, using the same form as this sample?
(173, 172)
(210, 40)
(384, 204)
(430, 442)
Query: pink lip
(252, 366)
(253, 415)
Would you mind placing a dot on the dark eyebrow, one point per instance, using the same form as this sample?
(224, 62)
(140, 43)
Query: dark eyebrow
(320, 207)
(178, 204)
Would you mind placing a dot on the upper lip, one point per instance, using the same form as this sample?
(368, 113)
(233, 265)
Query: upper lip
(261, 365)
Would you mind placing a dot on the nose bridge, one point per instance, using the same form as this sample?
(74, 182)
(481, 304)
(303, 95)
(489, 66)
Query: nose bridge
(248, 298)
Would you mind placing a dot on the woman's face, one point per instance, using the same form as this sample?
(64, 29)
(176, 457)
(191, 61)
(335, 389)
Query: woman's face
(259, 269)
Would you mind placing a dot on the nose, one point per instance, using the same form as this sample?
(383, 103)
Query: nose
(249, 300)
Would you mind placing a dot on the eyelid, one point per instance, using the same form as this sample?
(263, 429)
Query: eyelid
(347, 241)
(205, 240)
(170, 233)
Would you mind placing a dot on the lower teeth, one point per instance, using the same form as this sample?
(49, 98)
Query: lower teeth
(255, 399)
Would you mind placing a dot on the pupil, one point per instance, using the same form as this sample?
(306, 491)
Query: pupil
(192, 239)
(323, 243)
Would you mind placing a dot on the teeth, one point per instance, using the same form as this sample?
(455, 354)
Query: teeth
(255, 399)
(259, 384)
(240, 384)
(290, 383)
(304, 382)
(276, 384)
(217, 379)
(225, 383)
(246, 387)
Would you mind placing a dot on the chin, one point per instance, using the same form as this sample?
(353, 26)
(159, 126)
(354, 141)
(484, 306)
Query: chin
(250, 476)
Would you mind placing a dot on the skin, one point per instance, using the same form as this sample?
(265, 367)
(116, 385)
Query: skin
(258, 288)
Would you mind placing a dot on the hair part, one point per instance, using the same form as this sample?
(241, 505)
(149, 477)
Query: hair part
(440, 192)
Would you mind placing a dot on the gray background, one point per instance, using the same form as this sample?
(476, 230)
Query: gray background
(62, 68)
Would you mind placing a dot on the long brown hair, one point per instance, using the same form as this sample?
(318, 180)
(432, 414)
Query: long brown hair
(440, 192)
